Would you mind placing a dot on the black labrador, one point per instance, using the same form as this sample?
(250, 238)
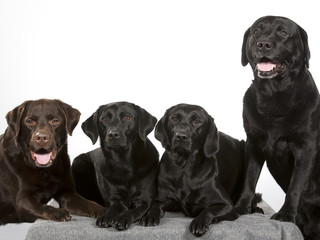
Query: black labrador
(35, 166)
(281, 114)
(201, 171)
(121, 174)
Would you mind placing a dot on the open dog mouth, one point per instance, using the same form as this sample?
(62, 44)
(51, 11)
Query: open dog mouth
(43, 158)
(267, 69)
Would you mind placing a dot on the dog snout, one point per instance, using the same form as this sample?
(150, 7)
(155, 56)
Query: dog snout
(42, 137)
(181, 136)
(264, 45)
(113, 134)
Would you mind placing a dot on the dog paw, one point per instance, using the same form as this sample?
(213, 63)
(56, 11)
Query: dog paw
(149, 221)
(97, 212)
(199, 226)
(105, 221)
(283, 217)
(58, 214)
(122, 222)
(257, 210)
(152, 218)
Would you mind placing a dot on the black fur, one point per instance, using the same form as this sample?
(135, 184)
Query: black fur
(201, 170)
(281, 114)
(121, 174)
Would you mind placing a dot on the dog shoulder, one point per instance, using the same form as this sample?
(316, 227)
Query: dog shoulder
(250, 96)
(9, 144)
(228, 140)
(151, 149)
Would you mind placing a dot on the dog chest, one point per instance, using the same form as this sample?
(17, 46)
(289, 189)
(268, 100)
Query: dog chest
(189, 194)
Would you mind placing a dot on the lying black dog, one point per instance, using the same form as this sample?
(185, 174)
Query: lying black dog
(122, 173)
(201, 171)
(281, 116)
(35, 166)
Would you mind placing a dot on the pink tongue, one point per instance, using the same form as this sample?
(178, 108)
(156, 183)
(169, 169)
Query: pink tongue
(43, 158)
(266, 66)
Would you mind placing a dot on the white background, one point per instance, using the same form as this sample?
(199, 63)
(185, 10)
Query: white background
(153, 53)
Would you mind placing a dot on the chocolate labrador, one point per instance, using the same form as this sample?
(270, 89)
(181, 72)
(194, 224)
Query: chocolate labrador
(281, 115)
(201, 170)
(35, 166)
(121, 174)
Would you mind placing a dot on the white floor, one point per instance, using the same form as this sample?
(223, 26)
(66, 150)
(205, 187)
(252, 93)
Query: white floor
(14, 231)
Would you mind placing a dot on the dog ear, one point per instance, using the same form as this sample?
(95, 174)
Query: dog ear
(244, 59)
(304, 38)
(211, 144)
(90, 127)
(146, 122)
(14, 118)
(161, 134)
(71, 116)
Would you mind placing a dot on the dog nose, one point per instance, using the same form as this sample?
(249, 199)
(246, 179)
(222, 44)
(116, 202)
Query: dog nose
(42, 137)
(113, 134)
(264, 45)
(180, 136)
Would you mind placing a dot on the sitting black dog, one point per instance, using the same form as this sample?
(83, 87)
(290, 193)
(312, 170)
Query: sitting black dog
(281, 115)
(120, 175)
(200, 172)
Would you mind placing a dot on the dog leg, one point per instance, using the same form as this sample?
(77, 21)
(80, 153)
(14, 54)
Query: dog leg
(78, 205)
(85, 181)
(29, 209)
(255, 161)
(8, 213)
(300, 176)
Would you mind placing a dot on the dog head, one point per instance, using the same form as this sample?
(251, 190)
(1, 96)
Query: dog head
(185, 129)
(118, 125)
(275, 47)
(40, 128)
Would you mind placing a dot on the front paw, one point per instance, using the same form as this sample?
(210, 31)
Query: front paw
(57, 214)
(150, 220)
(105, 221)
(257, 210)
(284, 217)
(97, 211)
(122, 222)
(199, 226)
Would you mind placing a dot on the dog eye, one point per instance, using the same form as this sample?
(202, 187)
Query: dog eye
(127, 118)
(54, 122)
(283, 33)
(256, 32)
(196, 122)
(30, 122)
(174, 119)
(104, 119)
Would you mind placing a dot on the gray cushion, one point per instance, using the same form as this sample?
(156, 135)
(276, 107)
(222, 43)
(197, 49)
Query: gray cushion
(172, 226)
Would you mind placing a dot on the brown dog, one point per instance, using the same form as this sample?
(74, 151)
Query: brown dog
(35, 166)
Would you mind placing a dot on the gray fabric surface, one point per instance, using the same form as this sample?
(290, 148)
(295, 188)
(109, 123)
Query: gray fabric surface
(172, 226)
